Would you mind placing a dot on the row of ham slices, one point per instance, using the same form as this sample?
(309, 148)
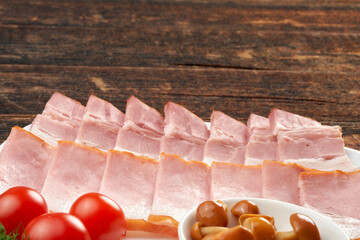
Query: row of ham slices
(137, 158)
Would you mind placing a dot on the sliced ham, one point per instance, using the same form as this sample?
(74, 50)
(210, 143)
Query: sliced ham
(60, 119)
(180, 186)
(61, 107)
(228, 139)
(262, 144)
(334, 194)
(100, 124)
(183, 127)
(230, 180)
(52, 130)
(75, 170)
(130, 181)
(282, 120)
(142, 130)
(280, 181)
(319, 147)
(24, 160)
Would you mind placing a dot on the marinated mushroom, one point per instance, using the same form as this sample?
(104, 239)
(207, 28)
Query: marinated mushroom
(237, 232)
(304, 228)
(211, 213)
(244, 207)
(261, 228)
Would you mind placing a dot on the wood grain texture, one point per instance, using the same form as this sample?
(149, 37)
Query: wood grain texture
(162, 34)
(235, 56)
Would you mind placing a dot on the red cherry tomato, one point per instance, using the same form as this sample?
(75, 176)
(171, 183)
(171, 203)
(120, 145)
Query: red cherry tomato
(18, 206)
(56, 226)
(103, 217)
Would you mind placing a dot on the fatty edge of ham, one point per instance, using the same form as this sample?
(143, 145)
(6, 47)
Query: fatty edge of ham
(100, 124)
(24, 160)
(75, 170)
(235, 180)
(180, 186)
(227, 142)
(281, 120)
(130, 181)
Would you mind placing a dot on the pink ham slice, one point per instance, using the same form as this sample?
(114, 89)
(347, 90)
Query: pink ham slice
(130, 181)
(24, 160)
(75, 170)
(52, 130)
(334, 194)
(61, 107)
(185, 133)
(180, 186)
(282, 120)
(228, 139)
(142, 130)
(230, 180)
(60, 119)
(280, 181)
(319, 147)
(100, 125)
(262, 143)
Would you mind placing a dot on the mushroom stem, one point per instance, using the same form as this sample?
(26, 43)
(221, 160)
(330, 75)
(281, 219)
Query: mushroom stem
(291, 235)
(211, 230)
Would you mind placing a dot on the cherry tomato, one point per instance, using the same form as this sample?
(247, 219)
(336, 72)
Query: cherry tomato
(103, 217)
(18, 206)
(56, 226)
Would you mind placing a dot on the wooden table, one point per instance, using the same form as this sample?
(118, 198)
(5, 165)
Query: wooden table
(234, 56)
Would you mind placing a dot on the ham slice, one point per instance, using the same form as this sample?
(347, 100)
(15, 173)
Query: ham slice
(24, 160)
(130, 181)
(282, 120)
(142, 130)
(319, 147)
(280, 181)
(75, 170)
(64, 108)
(230, 180)
(100, 125)
(185, 133)
(334, 194)
(262, 143)
(180, 186)
(60, 119)
(52, 130)
(228, 139)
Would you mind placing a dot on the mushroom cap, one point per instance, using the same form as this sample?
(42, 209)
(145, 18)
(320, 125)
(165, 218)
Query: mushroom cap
(261, 228)
(244, 207)
(211, 213)
(304, 227)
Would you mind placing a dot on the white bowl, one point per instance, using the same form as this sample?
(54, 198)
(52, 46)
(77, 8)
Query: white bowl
(281, 212)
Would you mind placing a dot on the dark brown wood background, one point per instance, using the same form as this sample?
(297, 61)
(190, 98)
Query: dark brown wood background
(234, 56)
